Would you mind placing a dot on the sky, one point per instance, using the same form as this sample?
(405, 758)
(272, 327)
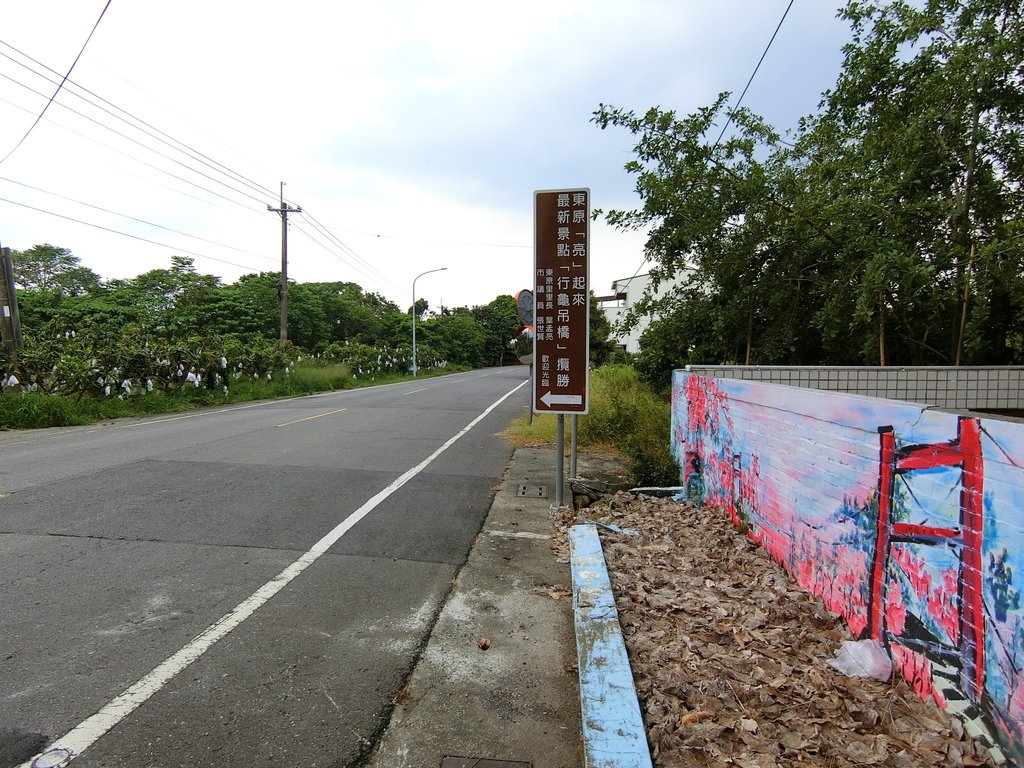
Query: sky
(412, 134)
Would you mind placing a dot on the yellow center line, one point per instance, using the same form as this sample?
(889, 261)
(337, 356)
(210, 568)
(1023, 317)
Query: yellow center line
(307, 418)
(413, 392)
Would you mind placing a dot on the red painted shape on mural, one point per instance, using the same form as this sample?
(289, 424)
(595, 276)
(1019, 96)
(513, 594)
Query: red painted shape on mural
(917, 573)
(886, 480)
(895, 609)
(917, 670)
(708, 421)
(924, 531)
(971, 520)
(959, 611)
(928, 457)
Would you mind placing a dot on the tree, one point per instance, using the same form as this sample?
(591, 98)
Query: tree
(709, 213)
(664, 346)
(500, 321)
(251, 305)
(457, 337)
(352, 315)
(888, 232)
(175, 301)
(601, 344)
(422, 307)
(50, 268)
(930, 100)
(308, 326)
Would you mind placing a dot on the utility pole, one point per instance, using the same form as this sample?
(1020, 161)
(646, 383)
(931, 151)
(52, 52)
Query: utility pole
(284, 210)
(10, 325)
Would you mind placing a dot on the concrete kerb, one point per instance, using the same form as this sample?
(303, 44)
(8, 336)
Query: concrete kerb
(614, 735)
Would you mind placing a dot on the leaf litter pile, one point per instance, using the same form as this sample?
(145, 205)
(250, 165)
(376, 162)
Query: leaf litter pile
(729, 654)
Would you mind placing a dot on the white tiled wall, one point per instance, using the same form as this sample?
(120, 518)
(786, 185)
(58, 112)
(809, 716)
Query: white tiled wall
(978, 388)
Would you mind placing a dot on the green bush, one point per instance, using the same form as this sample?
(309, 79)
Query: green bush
(364, 360)
(624, 414)
(305, 379)
(34, 410)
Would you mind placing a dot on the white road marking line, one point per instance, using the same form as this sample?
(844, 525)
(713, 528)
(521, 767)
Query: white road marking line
(84, 735)
(193, 415)
(307, 418)
(413, 392)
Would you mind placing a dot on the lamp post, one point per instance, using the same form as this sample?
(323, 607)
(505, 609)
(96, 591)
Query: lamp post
(421, 274)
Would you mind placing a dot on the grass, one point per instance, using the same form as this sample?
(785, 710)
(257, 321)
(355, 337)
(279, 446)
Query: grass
(35, 410)
(626, 417)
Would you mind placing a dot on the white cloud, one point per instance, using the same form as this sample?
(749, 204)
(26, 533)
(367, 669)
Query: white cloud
(426, 125)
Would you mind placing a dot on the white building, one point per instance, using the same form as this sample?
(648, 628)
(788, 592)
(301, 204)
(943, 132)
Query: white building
(625, 293)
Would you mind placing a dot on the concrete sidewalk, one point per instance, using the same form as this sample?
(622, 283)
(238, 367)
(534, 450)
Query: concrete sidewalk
(497, 680)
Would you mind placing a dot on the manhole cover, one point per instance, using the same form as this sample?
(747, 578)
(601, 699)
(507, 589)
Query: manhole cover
(533, 491)
(482, 762)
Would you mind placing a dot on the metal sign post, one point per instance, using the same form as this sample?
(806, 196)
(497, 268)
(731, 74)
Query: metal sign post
(529, 416)
(573, 428)
(561, 276)
(559, 459)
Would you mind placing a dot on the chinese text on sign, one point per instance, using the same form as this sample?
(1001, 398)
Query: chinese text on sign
(561, 301)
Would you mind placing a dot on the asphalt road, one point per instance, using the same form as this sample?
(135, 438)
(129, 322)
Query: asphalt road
(191, 590)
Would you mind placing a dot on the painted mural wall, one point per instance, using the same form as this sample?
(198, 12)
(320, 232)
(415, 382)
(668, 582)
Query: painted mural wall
(907, 521)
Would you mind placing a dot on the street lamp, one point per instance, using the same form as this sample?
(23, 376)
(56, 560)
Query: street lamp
(421, 274)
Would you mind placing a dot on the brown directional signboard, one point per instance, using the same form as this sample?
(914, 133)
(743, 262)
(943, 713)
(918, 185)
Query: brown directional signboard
(561, 291)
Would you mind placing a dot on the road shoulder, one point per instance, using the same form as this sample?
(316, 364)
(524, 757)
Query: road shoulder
(497, 679)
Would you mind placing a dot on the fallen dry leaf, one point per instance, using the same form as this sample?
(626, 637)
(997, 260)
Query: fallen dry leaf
(695, 717)
(729, 655)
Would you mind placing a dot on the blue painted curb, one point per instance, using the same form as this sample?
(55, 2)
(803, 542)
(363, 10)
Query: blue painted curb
(613, 730)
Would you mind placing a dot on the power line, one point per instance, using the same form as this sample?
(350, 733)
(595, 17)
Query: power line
(344, 247)
(177, 146)
(126, 234)
(148, 148)
(176, 191)
(373, 273)
(139, 124)
(133, 218)
(141, 162)
(753, 74)
(184, 118)
(327, 249)
(739, 100)
(341, 244)
(68, 74)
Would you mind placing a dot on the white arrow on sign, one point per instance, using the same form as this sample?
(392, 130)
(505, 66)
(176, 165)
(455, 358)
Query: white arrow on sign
(549, 399)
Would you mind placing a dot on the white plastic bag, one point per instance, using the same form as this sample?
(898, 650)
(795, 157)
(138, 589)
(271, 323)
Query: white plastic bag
(863, 658)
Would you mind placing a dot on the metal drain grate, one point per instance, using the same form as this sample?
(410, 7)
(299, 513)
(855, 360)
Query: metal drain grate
(481, 762)
(533, 491)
